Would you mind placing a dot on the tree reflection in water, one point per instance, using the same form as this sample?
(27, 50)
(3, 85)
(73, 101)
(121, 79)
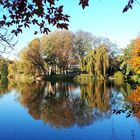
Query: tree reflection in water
(56, 104)
(3, 87)
(59, 105)
(134, 97)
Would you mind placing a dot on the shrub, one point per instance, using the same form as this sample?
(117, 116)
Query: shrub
(118, 75)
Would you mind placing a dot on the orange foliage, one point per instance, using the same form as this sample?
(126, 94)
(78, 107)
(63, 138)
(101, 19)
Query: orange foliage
(135, 59)
(135, 96)
(135, 99)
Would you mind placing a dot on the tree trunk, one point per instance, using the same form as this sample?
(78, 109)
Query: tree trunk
(43, 69)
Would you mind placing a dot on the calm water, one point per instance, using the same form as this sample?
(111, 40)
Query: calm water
(69, 111)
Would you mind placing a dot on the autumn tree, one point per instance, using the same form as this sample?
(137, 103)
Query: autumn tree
(134, 61)
(58, 49)
(13, 69)
(32, 57)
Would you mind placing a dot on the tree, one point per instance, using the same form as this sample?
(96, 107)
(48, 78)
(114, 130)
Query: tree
(96, 62)
(112, 50)
(134, 61)
(32, 56)
(3, 69)
(83, 42)
(125, 66)
(58, 49)
(87, 63)
(102, 61)
(14, 69)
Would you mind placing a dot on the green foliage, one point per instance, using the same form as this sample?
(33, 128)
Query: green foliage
(96, 62)
(87, 63)
(3, 69)
(136, 78)
(118, 75)
(118, 78)
(3, 86)
(84, 78)
(126, 89)
(125, 66)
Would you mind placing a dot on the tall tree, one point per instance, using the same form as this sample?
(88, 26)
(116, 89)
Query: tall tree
(102, 61)
(58, 49)
(112, 50)
(32, 54)
(83, 42)
(125, 66)
(87, 63)
(96, 62)
(135, 56)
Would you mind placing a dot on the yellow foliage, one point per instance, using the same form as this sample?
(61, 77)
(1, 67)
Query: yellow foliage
(135, 59)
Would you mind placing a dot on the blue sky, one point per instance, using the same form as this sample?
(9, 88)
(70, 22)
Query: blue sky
(102, 18)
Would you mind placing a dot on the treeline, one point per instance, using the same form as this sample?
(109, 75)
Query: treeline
(103, 61)
(4, 69)
(64, 52)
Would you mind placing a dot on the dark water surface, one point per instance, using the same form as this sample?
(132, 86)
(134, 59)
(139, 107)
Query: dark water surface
(69, 111)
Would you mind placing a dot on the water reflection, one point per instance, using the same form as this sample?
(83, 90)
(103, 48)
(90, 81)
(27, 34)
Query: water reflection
(97, 94)
(56, 104)
(134, 97)
(3, 87)
(68, 104)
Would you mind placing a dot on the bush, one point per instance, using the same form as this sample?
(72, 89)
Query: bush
(136, 78)
(84, 78)
(118, 75)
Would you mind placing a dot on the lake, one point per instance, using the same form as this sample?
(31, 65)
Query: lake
(92, 110)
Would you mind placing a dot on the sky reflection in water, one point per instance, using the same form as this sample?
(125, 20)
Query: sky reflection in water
(50, 111)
